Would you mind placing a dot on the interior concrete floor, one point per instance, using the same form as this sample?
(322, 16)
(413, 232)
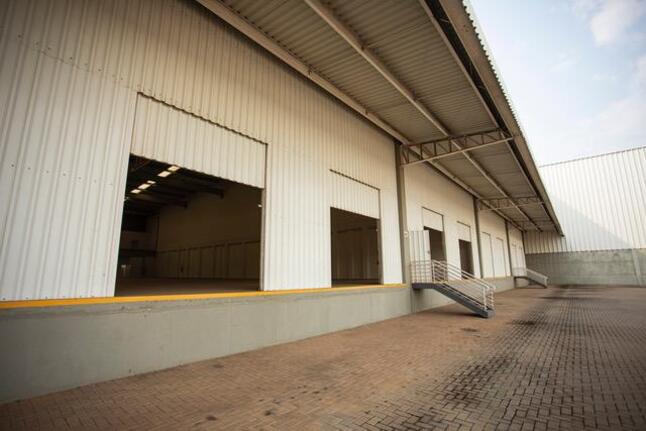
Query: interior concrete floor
(181, 286)
(188, 286)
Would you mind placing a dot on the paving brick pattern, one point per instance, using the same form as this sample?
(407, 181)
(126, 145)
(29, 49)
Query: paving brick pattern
(559, 358)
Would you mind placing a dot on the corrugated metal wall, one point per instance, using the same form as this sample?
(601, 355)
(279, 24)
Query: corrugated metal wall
(496, 261)
(517, 248)
(69, 80)
(600, 201)
(350, 195)
(428, 190)
(167, 134)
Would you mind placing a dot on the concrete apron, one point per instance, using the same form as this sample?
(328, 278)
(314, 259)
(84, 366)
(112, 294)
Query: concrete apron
(50, 349)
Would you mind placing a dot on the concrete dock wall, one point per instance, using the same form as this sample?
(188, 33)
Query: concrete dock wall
(622, 267)
(49, 349)
(54, 348)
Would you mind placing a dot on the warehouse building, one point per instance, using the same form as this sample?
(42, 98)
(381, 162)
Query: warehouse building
(189, 179)
(601, 202)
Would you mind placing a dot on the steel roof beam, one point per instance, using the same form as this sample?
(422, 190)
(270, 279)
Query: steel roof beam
(342, 30)
(466, 187)
(501, 204)
(440, 148)
(469, 78)
(253, 33)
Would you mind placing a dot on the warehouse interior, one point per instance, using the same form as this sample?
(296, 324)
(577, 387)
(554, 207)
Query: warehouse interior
(355, 248)
(187, 232)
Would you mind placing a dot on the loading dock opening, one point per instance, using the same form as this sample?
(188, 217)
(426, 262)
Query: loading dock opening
(436, 242)
(355, 248)
(466, 256)
(187, 232)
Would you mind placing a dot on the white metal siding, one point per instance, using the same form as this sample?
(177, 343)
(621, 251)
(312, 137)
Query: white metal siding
(499, 257)
(600, 201)
(464, 232)
(351, 195)
(167, 134)
(517, 252)
(64, 152)
(487, 255)
(432, 219)
(68, 84)
(493, 224)
(425, 188)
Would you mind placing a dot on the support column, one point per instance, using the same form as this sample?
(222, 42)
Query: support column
(403, 219)
(511, 268)
(477, 218)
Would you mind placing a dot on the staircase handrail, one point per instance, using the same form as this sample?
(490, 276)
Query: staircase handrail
(442, 272)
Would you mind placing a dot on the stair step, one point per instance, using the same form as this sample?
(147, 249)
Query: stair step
(465, 300)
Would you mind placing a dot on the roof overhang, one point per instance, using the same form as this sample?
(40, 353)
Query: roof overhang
(417, 70)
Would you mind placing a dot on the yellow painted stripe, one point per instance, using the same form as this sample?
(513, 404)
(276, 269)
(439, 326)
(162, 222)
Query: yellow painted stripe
(157, 298)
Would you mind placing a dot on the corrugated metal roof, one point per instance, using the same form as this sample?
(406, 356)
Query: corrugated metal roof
(404, 37)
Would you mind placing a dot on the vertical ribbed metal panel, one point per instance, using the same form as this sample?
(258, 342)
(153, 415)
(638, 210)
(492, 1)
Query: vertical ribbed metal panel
(428, 190)
(600, 201)
(432, 219)
(494, 225)
(350, 195)
(517, 251)
(171, 135)
(69, 79)
(64, 149)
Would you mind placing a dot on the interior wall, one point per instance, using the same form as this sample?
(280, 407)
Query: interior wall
(355, 248)
(63, 180)
(213, 237)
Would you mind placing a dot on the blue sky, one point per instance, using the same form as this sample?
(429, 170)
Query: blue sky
(575, 69)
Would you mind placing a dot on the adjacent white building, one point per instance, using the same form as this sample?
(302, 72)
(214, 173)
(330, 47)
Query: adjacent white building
(601, 204)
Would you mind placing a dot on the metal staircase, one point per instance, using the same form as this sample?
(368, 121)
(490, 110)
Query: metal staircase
(451, 281)
(530, 275)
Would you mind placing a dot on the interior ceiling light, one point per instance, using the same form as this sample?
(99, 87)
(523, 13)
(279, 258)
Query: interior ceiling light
(164, 174)
(151, 182)
(135, 191)
(143, 186)
(173, 168)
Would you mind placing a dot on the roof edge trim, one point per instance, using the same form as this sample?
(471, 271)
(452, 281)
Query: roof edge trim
(454, 17)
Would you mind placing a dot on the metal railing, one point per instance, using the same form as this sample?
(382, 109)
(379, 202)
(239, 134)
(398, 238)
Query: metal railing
(442, 272)
(531, 275)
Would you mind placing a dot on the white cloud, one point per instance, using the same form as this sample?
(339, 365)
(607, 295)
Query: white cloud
(610, 20)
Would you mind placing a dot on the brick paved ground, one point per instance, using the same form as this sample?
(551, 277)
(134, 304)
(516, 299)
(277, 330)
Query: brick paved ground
(551, 359)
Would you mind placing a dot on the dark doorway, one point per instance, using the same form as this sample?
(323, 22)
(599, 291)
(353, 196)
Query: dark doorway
(436, 241)
(355, 248)
(184, 231)
(466, 256)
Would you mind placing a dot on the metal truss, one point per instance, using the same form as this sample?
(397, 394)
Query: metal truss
(539, 225)
(429, 151)
(456, 146)
(507, 203)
